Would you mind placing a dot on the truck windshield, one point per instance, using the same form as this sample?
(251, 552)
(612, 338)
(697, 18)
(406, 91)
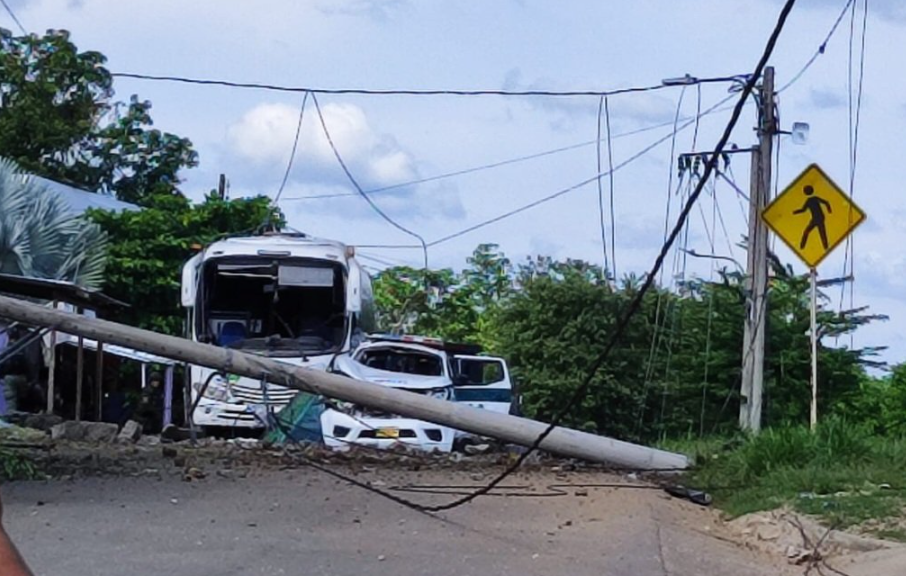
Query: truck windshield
(402, 360)
(286, 307)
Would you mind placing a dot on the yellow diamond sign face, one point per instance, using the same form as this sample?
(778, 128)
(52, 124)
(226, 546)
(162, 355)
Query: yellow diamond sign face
(812, 215)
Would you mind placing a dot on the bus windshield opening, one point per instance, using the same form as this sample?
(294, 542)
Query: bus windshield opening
(288, 307)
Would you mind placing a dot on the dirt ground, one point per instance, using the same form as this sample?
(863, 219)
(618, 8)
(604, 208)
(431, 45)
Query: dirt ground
(301, 521)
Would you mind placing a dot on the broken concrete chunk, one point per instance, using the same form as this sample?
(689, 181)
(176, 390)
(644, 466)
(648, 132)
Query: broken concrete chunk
(100, 432)
(41, 421)
(94, 432)
(68, 431)
(131, 432)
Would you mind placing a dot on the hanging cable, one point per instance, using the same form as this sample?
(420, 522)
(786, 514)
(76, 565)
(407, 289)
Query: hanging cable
(821, 48)
(497, 164)
(355, 184)
(567, 190)
(656, 334)
(634, 305)
(601, 187)
(623, 321)
(855, 113)
(688, 80)
(292, 154)
(707, 367)
(613, 223)
(15, 19)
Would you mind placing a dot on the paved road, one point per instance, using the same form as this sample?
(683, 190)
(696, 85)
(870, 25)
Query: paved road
(301, 522)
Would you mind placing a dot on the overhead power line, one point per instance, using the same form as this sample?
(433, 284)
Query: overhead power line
(821, 48)
(410, 92)
(292, 154)
(358, 188)
(15, 19)
(636, 302)
(493, 165)
(556, 194)
(569, 189)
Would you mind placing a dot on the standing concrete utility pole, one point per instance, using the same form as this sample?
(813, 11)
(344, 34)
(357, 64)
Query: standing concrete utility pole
(756, 284)
(561, 441)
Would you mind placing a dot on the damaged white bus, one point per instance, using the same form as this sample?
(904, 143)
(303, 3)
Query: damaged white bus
(291, 297)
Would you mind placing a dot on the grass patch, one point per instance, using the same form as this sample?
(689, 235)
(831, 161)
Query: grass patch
(15, 466)
(896, 534)
(841, 473)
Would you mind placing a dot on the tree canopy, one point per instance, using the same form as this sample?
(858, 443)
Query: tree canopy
(59, 119)
(675, 371)
(41, 238)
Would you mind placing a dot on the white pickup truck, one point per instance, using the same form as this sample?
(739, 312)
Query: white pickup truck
(422, 366)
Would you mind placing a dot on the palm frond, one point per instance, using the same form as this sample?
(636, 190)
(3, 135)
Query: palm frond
(41, 238)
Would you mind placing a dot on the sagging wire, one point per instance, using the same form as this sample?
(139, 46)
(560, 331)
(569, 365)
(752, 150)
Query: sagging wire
(355, 184)
(636, 302)
(624, 319)
(610, 170)
(410, 92)
(656, 335)
(600, 171)
(821, 48)
(501, 163)
(14, 17)
(553, 196)
(855, 114)
(292, 154)
(711, 291)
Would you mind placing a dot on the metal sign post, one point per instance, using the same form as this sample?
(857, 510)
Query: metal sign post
(813, 420)
(813, 216)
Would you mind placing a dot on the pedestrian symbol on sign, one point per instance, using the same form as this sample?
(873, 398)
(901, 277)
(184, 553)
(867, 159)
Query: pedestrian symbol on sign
(812, 215)
(815, 205)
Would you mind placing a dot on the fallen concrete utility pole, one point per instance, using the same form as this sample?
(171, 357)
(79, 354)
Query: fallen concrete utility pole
(561, 441)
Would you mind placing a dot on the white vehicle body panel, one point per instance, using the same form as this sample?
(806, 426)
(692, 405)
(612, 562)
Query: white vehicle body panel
(351, 424)
(490, 387)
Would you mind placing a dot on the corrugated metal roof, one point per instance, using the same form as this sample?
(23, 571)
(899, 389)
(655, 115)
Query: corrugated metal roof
(81, 200)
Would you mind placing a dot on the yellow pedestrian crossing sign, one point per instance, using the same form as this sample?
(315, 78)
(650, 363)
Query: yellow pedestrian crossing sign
(812, 215)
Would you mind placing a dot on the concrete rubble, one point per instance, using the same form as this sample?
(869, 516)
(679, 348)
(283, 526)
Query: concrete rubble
(130, 433)
(91, 432)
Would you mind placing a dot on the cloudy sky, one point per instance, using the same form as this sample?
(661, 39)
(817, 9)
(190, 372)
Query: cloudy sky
(514, 44)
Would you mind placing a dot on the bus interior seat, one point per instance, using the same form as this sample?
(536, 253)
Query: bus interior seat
(231, 332)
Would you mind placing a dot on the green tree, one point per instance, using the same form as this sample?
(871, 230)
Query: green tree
(676, 369)
(58, 119)
(41, 238)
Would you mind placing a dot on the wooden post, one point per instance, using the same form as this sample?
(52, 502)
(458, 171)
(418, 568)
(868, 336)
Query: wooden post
(52, 367)
(561, 441)
(813, 413)
(99, 381)
(168, 397)
(80, 371)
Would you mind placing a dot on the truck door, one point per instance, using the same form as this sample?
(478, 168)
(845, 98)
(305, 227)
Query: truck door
(483, 382)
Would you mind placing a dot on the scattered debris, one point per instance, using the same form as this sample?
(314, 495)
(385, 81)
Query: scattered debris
(699, 497)
(43, 422)
(130, 433)
(473, 449)
(795, 536)
(193, 473)
(93, 432)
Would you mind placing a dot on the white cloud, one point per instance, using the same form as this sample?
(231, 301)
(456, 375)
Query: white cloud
(264, 135)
